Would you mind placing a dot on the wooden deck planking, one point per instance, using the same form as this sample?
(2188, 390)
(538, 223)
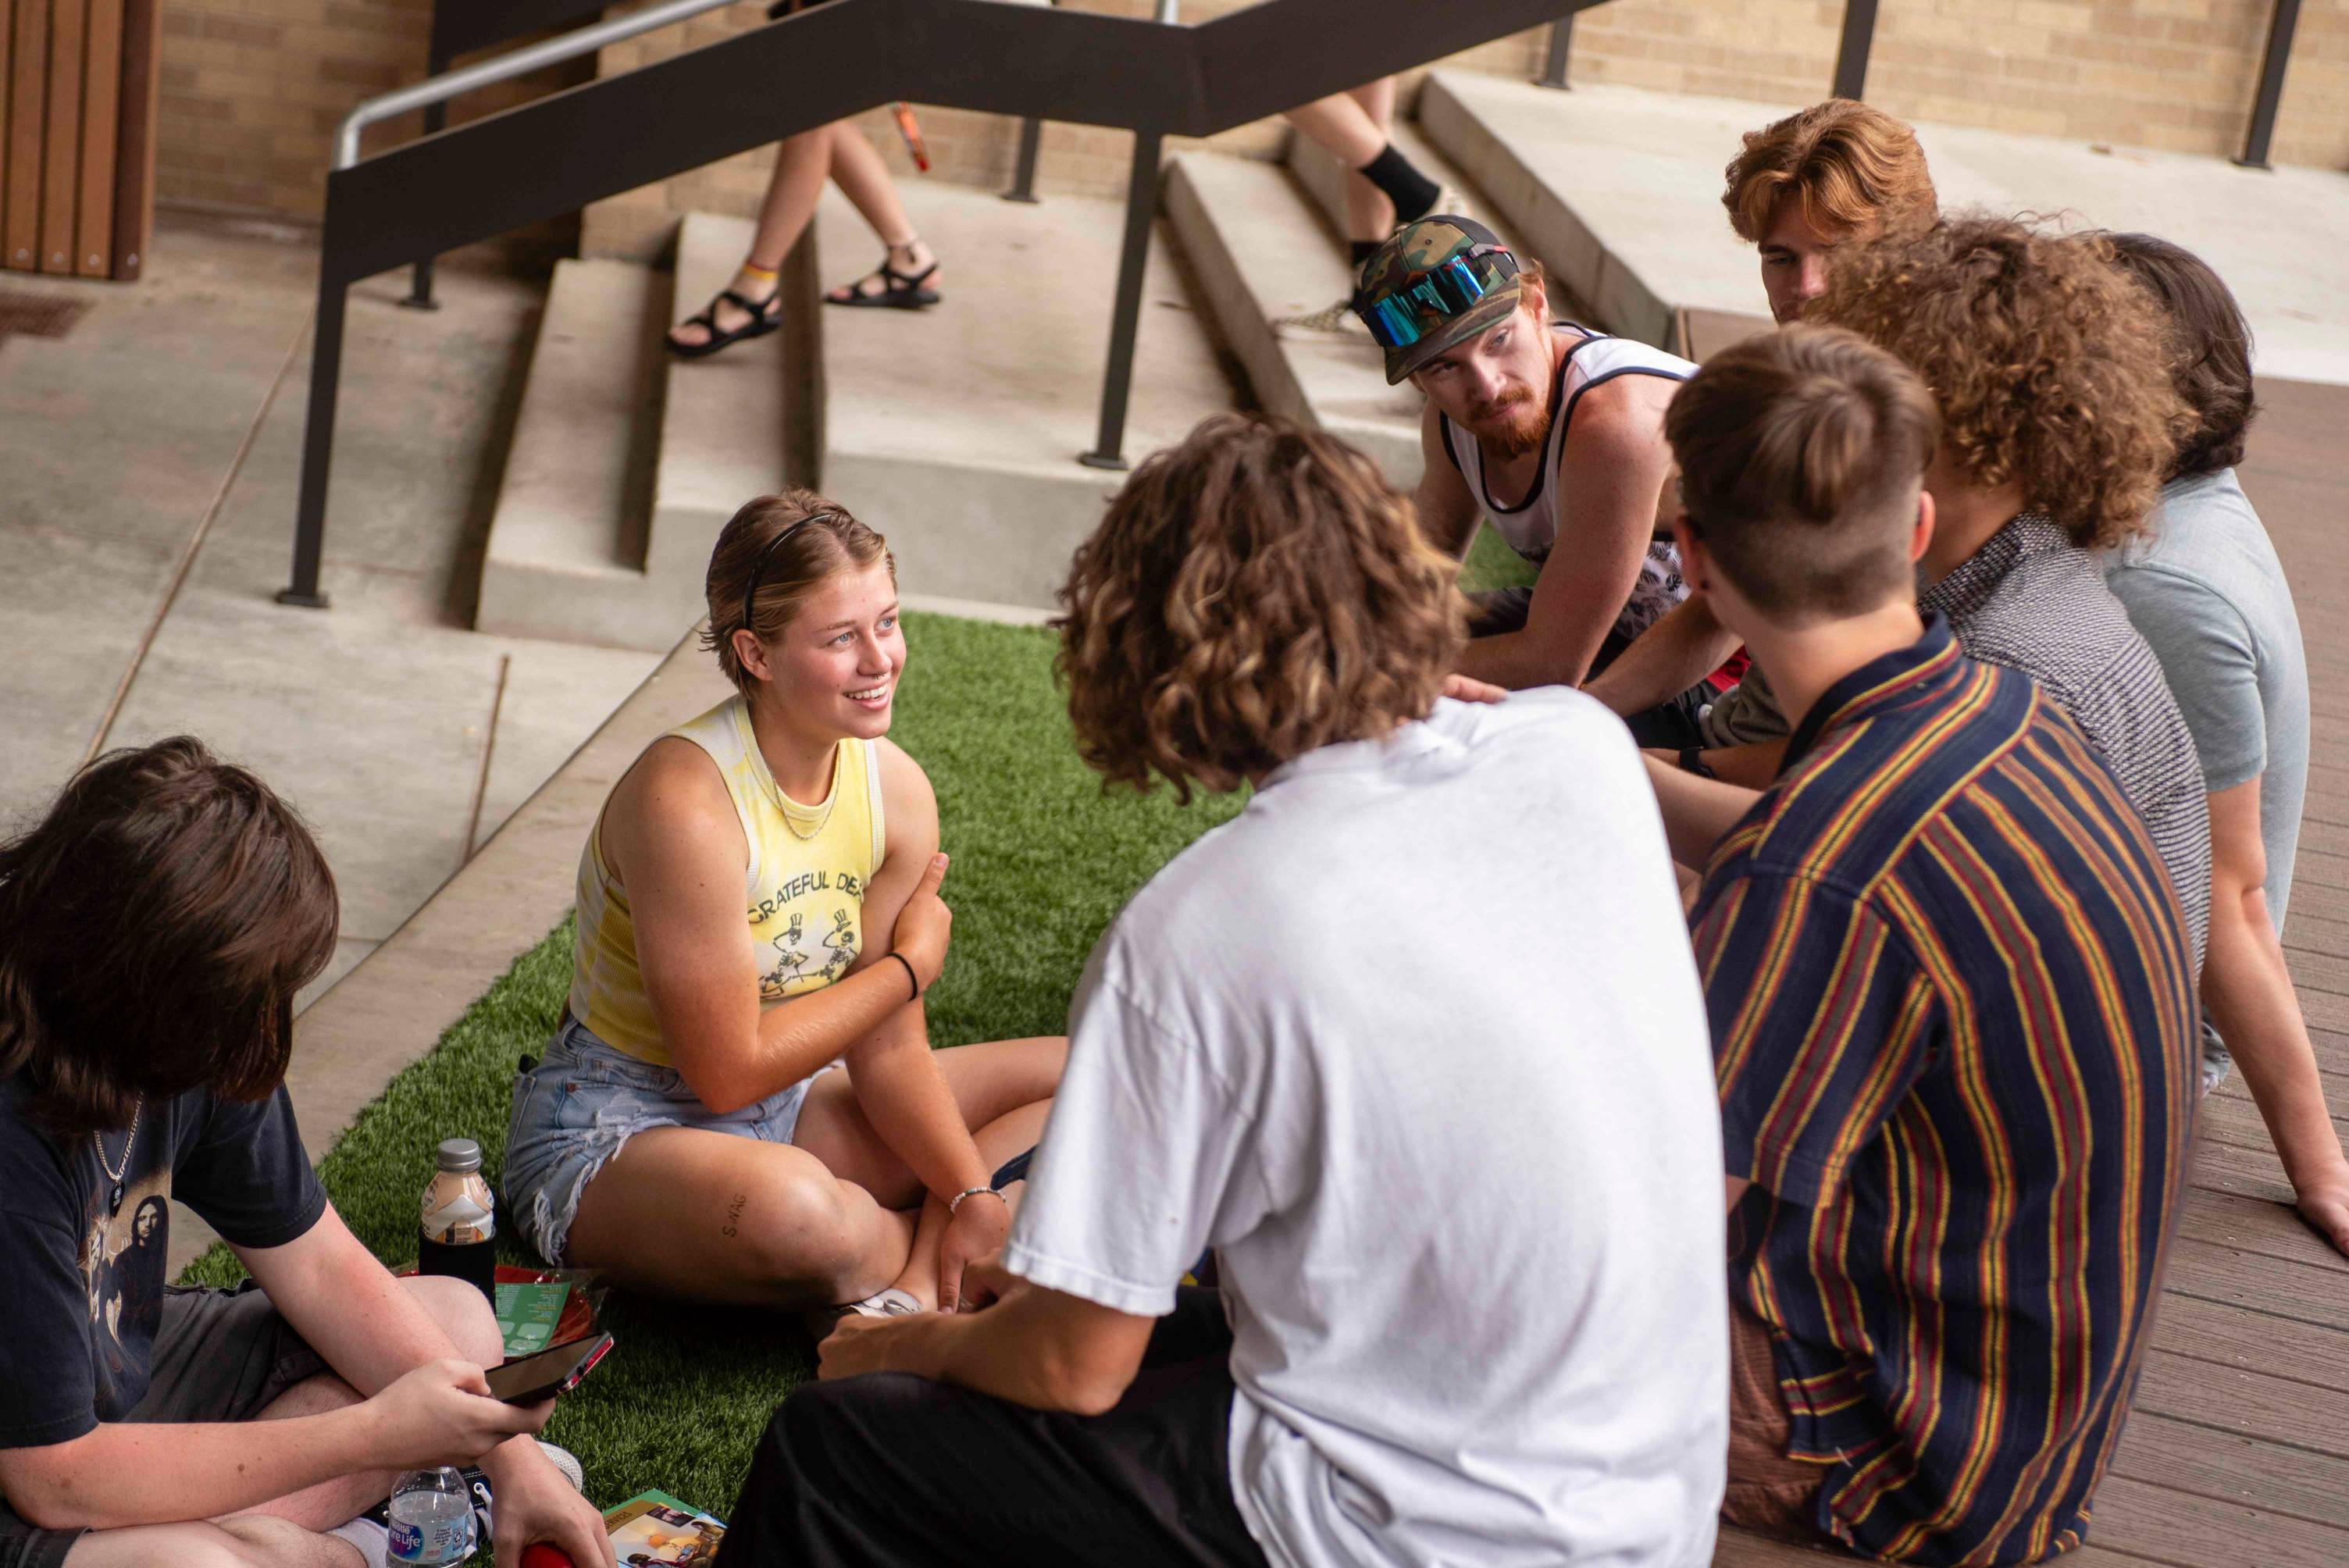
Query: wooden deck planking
(2232, 1469)
(2252, 1215)
(2227, 1335)
(2243, 1404)
(2237, 1450)
(2169, 1525)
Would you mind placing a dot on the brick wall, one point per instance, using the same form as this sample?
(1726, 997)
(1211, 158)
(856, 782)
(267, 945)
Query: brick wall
(964, 147)
(2174, 74)
(253, 88)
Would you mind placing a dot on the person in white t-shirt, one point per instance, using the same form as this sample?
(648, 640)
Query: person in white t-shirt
(1415, 1044)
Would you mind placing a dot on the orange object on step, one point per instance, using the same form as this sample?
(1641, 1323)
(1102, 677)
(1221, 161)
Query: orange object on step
(911, 129)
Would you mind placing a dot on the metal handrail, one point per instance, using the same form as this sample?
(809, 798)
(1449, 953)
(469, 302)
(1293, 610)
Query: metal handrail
(492, 175)
(505, 67)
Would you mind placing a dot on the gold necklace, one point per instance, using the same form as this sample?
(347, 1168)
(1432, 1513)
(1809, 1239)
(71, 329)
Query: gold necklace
(114, 1172)
(783, 797)
(790, 807)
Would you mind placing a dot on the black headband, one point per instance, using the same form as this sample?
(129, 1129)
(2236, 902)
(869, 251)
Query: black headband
(759, 566)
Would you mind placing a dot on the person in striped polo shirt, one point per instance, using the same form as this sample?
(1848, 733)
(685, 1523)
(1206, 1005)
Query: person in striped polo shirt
(1952, 1003)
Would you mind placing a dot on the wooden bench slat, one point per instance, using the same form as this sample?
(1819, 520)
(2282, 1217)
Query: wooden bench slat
(2243, 1403)
(2235, 1471)
(2287, 1289)
(2242, 1337)
(2191, 1531)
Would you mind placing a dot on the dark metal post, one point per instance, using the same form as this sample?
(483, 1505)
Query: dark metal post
(436, 120)
(1561, 39)
(804, 398)
(317, 446)
(2280, 27)
(1851, 54)
(1125, 317)
(1023, 172)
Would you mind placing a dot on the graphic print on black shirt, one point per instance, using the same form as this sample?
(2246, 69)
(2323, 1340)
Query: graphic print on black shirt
(86, 1278)
(123, 1268)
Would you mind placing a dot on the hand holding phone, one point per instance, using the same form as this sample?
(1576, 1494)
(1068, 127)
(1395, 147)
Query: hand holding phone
(528, 1379)
(441, 1412)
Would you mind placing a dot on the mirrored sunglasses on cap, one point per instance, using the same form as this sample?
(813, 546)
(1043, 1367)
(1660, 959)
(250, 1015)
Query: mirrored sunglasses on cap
(1400, 317)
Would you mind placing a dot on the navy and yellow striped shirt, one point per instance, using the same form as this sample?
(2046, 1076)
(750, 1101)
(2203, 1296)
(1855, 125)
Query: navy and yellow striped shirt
(1953, 1023)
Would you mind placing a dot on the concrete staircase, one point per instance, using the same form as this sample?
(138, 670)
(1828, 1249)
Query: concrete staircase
(627, 460)
(953, 430)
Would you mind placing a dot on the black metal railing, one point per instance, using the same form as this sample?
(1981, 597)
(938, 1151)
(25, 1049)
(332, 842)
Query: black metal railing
(1156, 78)
(579, 145)
(2282, 23)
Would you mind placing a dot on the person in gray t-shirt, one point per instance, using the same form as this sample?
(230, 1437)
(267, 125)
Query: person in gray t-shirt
(2204, 586)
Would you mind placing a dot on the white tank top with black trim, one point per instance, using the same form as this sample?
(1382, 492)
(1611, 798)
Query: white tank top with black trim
(1532, 527)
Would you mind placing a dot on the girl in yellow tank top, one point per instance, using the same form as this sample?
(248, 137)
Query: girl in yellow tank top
(756, 905)
(804, 885)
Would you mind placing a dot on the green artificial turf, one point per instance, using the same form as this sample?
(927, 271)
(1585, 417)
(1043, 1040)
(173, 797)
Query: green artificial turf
(1491, 564)
(1043, 859)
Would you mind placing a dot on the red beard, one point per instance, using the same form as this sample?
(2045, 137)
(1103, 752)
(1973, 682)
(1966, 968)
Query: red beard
(1510, 429)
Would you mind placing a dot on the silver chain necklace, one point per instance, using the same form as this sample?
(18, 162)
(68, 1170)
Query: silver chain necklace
(114, 1172)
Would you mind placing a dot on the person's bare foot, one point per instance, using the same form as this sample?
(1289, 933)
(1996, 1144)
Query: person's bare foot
(914, 263)
(757, 286)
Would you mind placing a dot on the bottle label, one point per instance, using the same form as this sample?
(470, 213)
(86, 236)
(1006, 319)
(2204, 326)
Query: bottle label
(458, 1210)
(431, 1540)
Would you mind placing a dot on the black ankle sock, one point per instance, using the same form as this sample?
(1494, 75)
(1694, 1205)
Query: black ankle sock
(1361, 251)
(1412, 192)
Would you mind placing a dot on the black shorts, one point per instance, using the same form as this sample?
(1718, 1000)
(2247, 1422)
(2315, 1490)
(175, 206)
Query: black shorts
(220, 1356)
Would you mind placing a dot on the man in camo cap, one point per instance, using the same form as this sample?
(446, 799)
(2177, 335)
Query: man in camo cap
(1552, 433)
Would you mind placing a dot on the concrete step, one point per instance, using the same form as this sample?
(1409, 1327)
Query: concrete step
(721, 434)
(955, 431)
(1259, 249)
(1323, 180)
(1606, 236)
(565, 556)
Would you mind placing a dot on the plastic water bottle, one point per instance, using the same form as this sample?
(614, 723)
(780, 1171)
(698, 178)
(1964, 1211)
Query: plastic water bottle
(431, 1519)
(461, 1226)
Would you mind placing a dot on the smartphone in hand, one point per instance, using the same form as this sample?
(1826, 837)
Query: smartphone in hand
(527, 1379)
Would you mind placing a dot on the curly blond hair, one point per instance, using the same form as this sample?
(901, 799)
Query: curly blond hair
(1255, 593)
(1850, 167)
(2050, 365)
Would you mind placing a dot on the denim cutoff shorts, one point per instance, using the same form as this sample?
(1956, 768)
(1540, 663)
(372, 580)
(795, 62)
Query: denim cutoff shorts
(579, 1106)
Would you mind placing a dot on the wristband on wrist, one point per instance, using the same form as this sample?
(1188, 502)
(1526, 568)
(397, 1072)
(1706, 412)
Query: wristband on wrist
(1691, 760)
(912, 979)
(955, 1203)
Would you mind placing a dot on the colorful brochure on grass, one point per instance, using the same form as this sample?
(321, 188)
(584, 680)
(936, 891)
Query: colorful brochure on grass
(527, 1314)
(653, 1527)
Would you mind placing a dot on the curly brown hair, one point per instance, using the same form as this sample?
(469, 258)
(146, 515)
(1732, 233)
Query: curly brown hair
(1255, 593)
(1852, 166)
(2050, 365)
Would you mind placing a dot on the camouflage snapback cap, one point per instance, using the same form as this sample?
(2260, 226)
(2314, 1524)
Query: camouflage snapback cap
(1431, 285)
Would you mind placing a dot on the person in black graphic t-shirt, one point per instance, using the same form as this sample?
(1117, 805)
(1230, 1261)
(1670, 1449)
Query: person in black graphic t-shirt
(154, 928)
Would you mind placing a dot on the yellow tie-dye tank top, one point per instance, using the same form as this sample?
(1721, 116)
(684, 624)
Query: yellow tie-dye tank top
(804, 891)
